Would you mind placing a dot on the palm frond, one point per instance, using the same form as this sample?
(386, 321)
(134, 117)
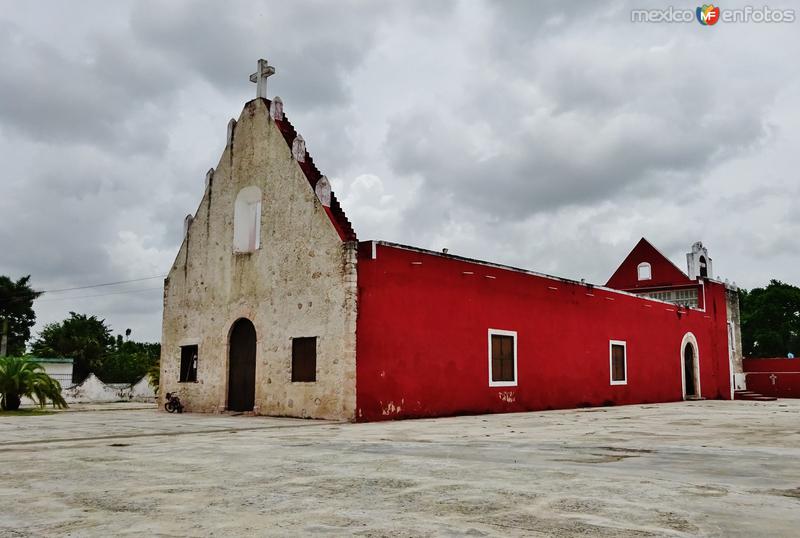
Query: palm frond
(23, 377)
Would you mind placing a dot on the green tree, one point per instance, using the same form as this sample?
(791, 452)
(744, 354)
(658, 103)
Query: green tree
(22, 377)
(86, 339)
(128, 361)
(16, 310)
(770, 319)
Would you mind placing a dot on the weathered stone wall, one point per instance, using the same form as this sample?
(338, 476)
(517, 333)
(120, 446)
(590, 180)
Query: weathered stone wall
(735, 334)
(300, 282)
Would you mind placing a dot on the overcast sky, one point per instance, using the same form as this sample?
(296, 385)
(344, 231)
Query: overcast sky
(550, 135)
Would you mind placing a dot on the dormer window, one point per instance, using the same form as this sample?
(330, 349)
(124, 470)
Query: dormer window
(247, 220)
(644, 272)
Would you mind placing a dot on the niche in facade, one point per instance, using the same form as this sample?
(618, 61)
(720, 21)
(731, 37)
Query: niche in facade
(247, 220)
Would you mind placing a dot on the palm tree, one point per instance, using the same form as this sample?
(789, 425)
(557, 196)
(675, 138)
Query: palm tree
(154, 374)
(22, 377)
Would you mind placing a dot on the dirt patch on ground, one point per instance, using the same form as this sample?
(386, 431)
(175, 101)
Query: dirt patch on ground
(793, 493)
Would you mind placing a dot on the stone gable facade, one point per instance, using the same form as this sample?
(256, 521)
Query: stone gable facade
(299, 282)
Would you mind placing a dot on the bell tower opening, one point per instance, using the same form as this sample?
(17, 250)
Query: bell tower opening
(698, 263)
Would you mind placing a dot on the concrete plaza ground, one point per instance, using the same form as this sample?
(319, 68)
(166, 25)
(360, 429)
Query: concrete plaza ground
(686, 469)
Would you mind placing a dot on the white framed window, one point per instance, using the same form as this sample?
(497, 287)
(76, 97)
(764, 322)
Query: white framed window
(502, 358)
(644, 272)
(682, 297)
(618, 361)
(247, 220)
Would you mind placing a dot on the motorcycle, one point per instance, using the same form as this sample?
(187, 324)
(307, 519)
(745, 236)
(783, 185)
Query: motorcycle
(173, 403)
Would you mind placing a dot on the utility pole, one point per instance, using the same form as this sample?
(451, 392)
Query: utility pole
(4, 339)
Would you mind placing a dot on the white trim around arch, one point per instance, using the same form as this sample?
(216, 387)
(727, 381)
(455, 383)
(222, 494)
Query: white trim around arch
(689, 338)
(644, 271)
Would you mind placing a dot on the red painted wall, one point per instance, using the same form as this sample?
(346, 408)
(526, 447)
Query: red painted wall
(664, 272)
(422, 339)
(785, 384)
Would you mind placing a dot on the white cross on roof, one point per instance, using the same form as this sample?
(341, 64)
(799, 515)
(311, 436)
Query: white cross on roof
(260, 77)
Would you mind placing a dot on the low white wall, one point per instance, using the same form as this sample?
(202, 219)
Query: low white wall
(143, 391)
(93, 390)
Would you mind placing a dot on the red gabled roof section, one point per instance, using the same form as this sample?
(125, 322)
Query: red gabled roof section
(664, 273)
(335, 211)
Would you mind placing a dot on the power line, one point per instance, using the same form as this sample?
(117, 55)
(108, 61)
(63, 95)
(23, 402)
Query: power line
(25, 294)
(104, 284)
(98, 295)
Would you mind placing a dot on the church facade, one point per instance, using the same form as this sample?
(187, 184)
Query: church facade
(264, 264)
(273, 307)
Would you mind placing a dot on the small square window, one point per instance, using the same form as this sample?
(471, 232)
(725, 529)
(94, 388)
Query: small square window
(188, 372)
(618, 362)
(502, 358)
(304, 359)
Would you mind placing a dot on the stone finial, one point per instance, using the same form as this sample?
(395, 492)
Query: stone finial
(231, 129)
(260, 77)
(323, 191)
(276, 108)
(209, 177)
(299, 149)
(187, 222)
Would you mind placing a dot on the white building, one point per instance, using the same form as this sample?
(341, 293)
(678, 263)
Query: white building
(59, 368)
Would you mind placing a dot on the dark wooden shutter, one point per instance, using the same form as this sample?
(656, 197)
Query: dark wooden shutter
(304, 359)
(502, 358)
(508, 358)
(496, 362)
(617, 362)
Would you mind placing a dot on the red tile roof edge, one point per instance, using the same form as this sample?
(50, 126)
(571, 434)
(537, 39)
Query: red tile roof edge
(312, 173)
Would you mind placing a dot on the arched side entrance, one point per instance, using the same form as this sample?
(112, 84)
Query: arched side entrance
(690, 367)
(242, 366)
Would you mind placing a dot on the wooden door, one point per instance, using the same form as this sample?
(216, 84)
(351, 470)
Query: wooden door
(242, 366)
(688, 370)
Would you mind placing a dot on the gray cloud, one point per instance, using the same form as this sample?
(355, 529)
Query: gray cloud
(100, 99)
(588, 122)
(314, 44)
(544, 135)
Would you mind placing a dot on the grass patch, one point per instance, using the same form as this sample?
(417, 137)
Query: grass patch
(28, 411)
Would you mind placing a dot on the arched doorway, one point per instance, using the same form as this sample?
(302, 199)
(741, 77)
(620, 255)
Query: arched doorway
(691, 371)
(242, 366)
(688, 371)
(690, 367)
